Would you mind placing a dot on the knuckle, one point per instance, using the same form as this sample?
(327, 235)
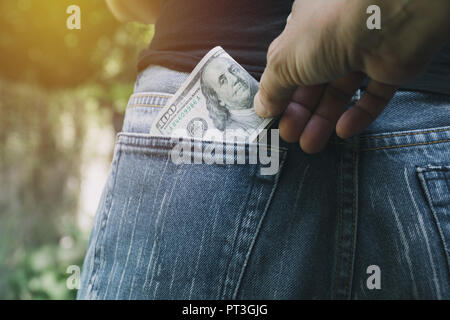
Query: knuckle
(274, 53)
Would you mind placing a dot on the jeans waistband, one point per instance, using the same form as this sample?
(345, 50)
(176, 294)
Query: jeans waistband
(142, 109)
(149, 99)
(411, 118)
(154, 86)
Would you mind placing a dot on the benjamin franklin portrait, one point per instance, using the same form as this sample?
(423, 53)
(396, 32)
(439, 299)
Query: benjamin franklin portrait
(229, 91)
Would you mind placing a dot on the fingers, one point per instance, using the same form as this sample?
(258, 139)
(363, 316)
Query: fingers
(336, 97)
(276, 86)
(315, 112)
(366, 110)
(312, 115)
(272, 97)
(299, 111)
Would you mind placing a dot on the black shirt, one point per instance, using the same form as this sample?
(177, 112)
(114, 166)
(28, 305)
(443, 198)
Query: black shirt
(187, 29)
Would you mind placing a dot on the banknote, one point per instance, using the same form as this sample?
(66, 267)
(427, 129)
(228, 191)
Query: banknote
(216, 101)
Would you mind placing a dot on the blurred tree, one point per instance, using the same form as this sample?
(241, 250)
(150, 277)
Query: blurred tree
(52, 81)
(35, 44)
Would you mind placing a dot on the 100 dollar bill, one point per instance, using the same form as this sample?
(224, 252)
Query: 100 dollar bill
(216, 101)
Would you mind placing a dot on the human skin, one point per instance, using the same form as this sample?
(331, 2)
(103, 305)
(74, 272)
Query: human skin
(325, 52)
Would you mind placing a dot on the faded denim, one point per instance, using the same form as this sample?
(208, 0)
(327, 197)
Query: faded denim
(166, 231)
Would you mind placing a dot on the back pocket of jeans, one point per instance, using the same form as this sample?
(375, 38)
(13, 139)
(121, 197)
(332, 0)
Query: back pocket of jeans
(179, 230)
(435, 183)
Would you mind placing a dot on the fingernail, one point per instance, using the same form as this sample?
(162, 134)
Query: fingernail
(259, 107)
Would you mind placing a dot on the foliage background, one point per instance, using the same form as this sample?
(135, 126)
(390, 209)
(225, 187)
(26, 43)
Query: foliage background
(62, 97)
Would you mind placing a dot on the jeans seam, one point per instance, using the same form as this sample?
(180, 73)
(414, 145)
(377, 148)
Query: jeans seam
(227, 277)
(403, 134)
(406, 145)
(394, 146)
(347, 223)
(425, 189)
(349, 284)
(341, 209)
(143, 94)
(258, 228)
(105, 215)
(145, 105)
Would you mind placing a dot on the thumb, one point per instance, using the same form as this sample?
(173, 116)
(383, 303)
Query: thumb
(274, 91)
(300, 57)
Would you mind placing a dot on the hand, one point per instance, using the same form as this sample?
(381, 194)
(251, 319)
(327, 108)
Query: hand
(326, 50)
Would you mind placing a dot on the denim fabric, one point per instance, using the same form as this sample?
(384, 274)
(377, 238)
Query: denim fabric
(200, 231)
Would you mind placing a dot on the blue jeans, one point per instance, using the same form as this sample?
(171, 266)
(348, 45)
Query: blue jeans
(315, 230)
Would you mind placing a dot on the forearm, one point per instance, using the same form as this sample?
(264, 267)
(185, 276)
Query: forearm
(145, 11)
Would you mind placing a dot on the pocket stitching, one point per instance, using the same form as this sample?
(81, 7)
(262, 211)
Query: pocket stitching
(420, 170)
(104, 220)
